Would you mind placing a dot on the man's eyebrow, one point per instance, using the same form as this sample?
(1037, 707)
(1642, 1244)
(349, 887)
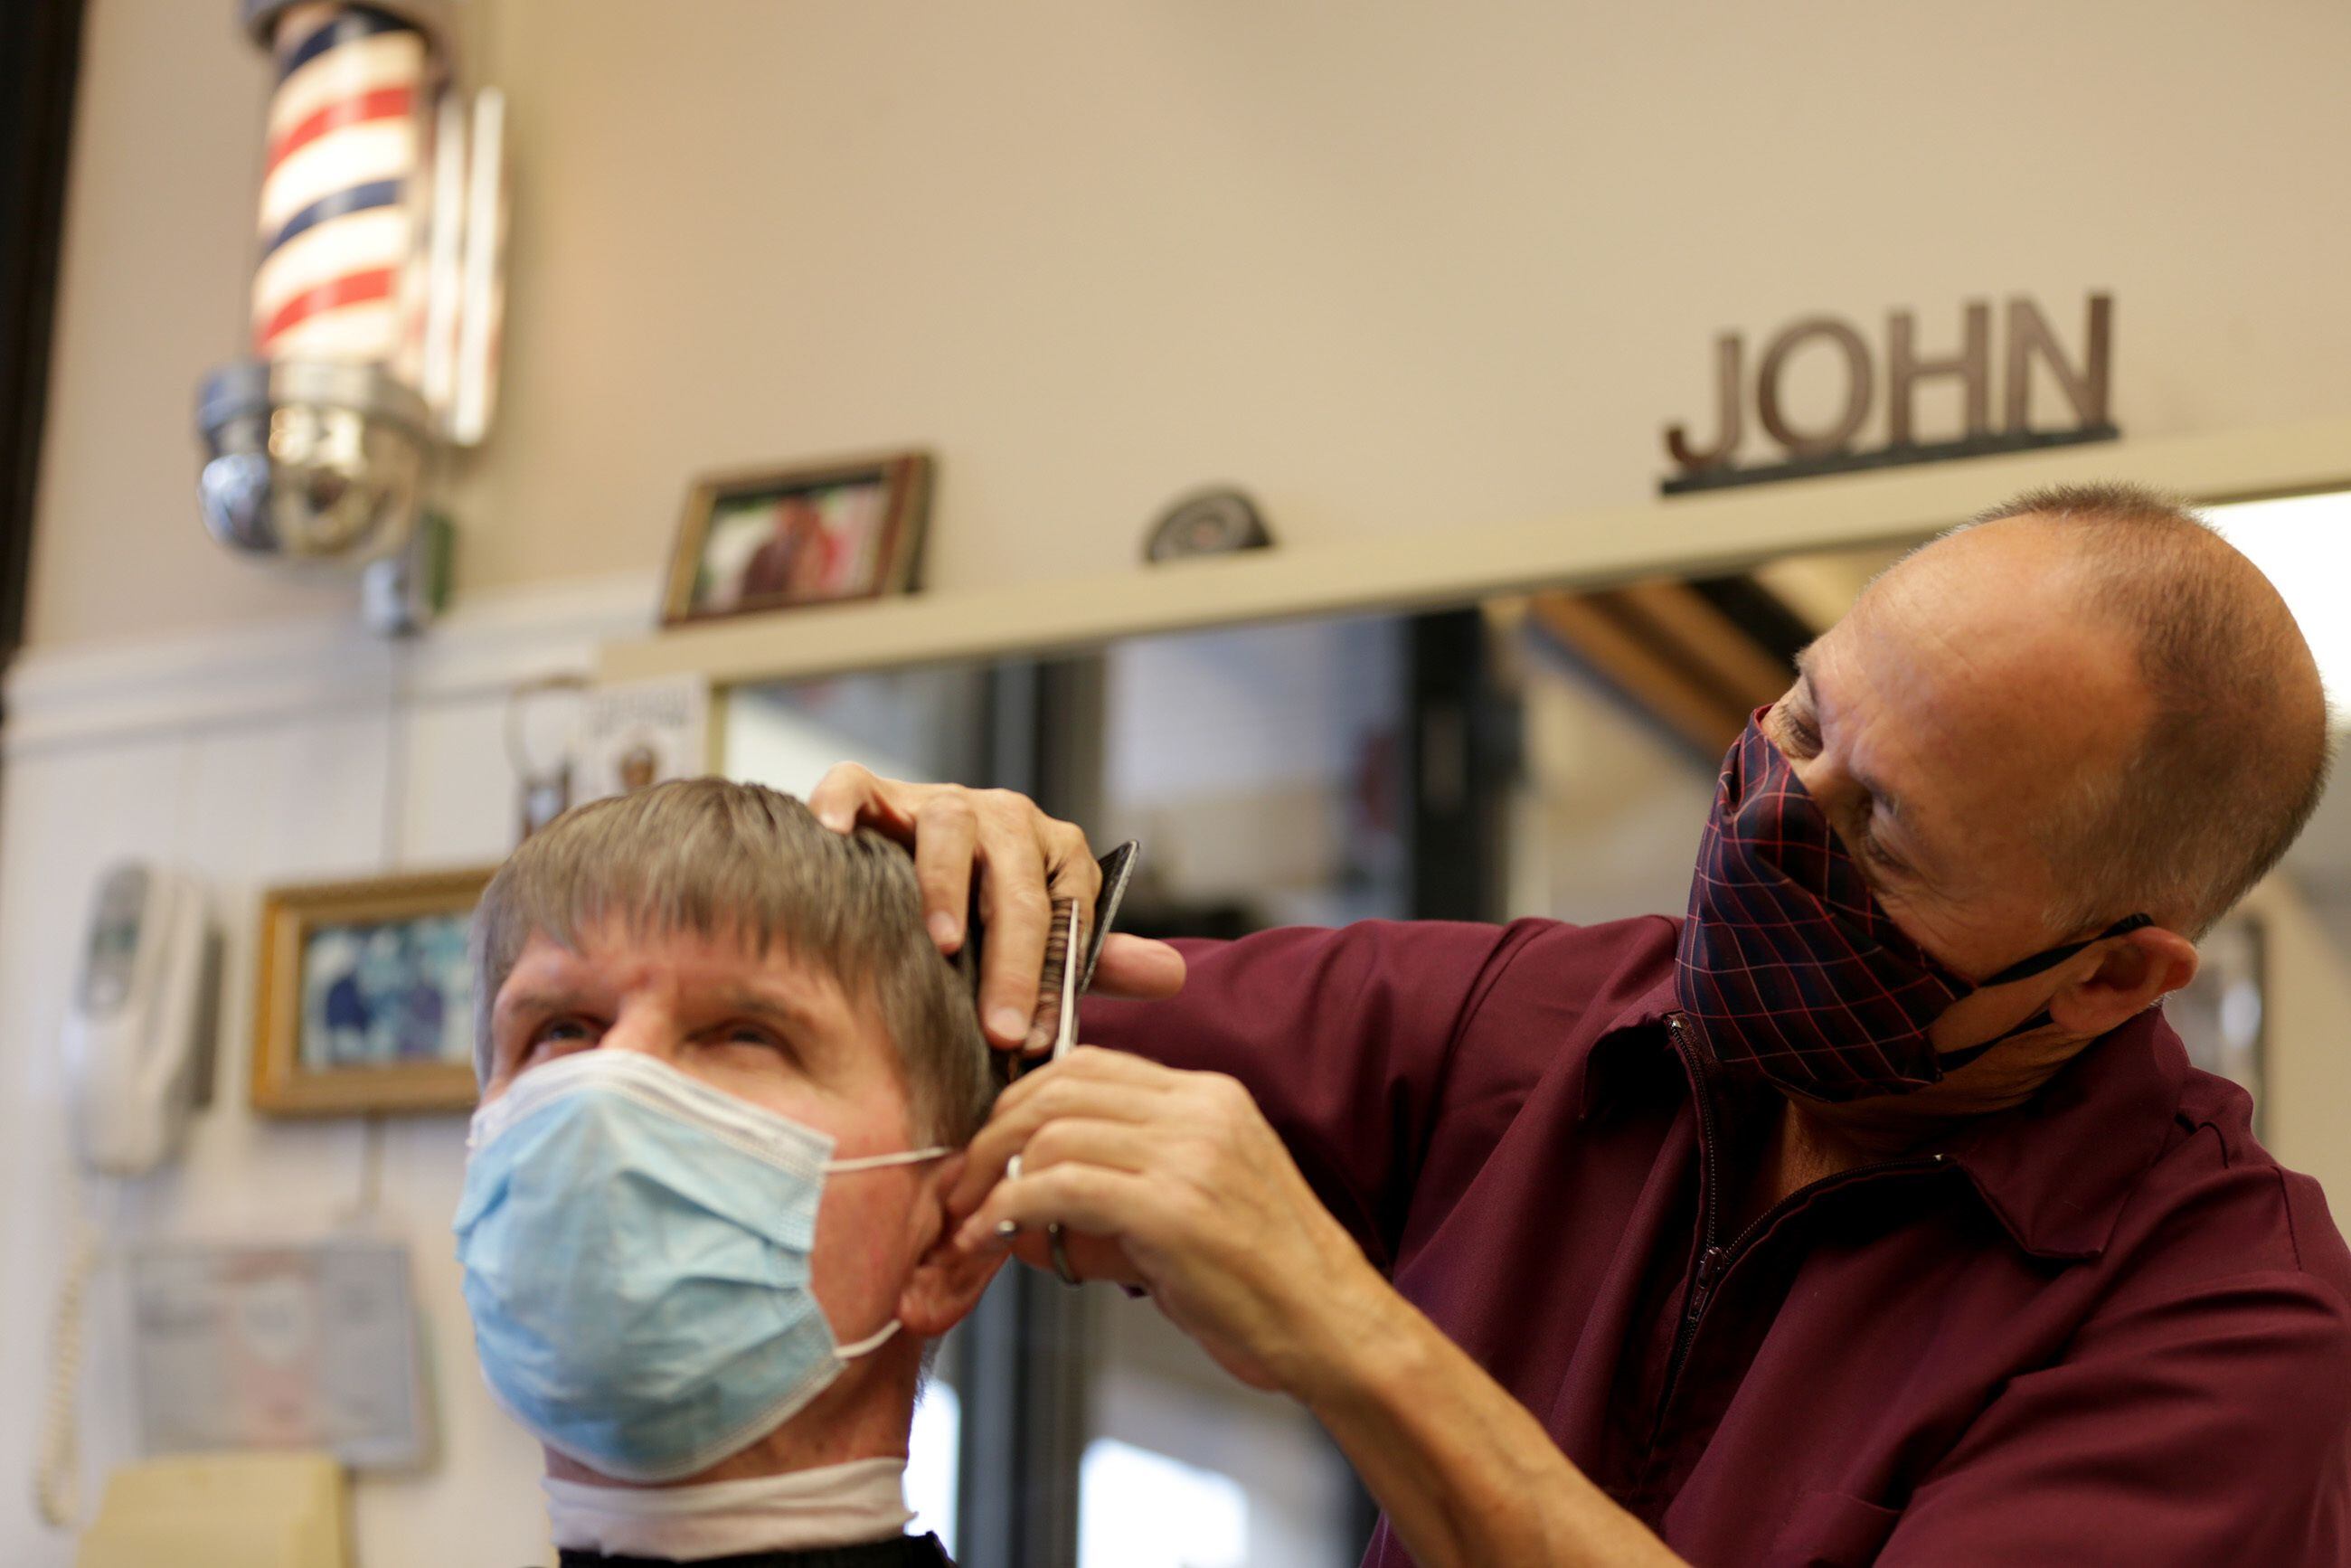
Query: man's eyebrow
(765, 1004)
(534, 1000)
(729, 999)
(1803, 691)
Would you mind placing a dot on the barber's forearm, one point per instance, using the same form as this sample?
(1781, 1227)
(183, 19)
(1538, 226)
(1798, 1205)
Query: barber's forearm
(1192, 1184)
(1467, 1477)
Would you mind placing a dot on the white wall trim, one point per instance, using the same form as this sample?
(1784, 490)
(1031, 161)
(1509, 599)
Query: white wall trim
(69, 697)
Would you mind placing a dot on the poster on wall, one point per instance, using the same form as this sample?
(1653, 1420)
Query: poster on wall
(298, 1345)
(639, 733)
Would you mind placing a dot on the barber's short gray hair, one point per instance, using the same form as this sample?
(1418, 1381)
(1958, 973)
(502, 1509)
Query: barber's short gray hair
(2237, 754)
(744, 862)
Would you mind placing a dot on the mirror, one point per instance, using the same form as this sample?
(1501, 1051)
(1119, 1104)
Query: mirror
(1550, 753)
(1544, 752)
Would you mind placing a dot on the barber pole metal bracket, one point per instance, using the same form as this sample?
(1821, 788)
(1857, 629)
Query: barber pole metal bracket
(379, 241)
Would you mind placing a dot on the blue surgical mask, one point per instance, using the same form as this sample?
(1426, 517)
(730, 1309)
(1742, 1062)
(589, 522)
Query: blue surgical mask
(635, 1247)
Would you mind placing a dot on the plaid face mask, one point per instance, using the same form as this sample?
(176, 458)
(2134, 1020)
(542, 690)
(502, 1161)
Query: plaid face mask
(1791, 965)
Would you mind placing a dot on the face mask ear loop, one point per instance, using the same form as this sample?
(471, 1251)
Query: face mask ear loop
(2040, 963)
(869, 1343)
(874, 1341)
(879, 1162)
(1952, 1061)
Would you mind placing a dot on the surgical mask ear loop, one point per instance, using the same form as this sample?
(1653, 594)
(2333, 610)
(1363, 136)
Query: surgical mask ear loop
(869, 1343)
(880, 1162)
(874, 1341)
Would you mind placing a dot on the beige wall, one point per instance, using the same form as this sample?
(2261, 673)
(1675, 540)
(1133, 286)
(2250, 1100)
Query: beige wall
(253, 758)
(1396, 267)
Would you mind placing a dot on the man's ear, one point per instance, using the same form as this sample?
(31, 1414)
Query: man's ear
(946, 1283)
(2133, 975)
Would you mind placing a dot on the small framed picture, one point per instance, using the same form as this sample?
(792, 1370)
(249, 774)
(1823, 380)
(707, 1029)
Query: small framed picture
(775, 540)
(365, 997)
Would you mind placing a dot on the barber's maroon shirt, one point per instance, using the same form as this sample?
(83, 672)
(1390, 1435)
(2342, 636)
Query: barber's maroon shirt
(2104, 1327)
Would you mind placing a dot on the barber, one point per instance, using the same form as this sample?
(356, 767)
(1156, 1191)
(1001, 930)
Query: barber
(1870, 1213)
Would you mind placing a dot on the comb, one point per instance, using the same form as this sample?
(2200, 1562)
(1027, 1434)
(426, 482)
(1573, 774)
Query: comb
(1057, 989)
(1073, 944)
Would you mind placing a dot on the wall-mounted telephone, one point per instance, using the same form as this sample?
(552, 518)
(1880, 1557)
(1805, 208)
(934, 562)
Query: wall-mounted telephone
(138, 1033)
(138, 1047)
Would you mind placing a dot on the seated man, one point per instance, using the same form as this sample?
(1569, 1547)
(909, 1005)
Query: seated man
(722, 1067)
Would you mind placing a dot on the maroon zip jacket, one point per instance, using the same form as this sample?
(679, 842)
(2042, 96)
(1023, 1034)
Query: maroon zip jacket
(2103, 1327)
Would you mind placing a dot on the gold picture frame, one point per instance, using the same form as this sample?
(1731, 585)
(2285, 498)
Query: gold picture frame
(757, 540)
(360, 1002)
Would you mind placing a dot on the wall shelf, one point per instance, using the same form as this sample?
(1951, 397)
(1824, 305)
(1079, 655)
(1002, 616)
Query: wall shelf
(1426, 569)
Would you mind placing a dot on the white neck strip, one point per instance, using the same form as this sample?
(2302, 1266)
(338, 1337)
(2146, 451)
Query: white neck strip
(837, 1505)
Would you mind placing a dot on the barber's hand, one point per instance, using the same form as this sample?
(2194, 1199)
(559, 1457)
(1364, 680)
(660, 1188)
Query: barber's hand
(1177, 1182)
(1026, 861)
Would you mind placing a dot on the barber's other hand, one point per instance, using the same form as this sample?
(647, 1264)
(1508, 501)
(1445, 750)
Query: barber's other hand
(1026, 860)
(1174, 1181)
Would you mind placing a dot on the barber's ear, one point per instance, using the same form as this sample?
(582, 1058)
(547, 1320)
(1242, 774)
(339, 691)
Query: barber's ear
(946, 1281)
(2133, 975)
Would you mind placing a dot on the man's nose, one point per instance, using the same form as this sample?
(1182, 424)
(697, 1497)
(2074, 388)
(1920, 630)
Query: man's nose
(648, 1030)
(1821, 779)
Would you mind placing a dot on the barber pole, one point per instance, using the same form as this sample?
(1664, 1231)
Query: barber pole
(381, 204)
(340, 273)
(375, 305)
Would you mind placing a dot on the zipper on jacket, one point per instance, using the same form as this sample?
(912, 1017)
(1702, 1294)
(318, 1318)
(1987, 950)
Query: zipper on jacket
(1715, 1259)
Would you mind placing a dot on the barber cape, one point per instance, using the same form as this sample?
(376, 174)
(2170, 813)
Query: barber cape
(902, 1552)
(836, 1516)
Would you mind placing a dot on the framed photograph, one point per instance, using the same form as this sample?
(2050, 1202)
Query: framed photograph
(765, 540)
(365, 1001)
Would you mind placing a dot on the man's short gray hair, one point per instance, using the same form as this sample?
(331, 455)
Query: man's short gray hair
(2236, 755)
(742, 862)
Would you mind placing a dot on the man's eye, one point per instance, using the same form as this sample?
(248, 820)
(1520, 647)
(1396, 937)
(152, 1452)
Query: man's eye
(560, 1032)
(1876, 852)
(1802, 734)
(751, 1034)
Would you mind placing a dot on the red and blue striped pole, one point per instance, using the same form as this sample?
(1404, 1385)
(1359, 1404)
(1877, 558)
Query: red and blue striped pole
(341, 274)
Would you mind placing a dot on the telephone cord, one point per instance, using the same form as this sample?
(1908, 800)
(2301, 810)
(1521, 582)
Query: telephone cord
(57, 1482)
